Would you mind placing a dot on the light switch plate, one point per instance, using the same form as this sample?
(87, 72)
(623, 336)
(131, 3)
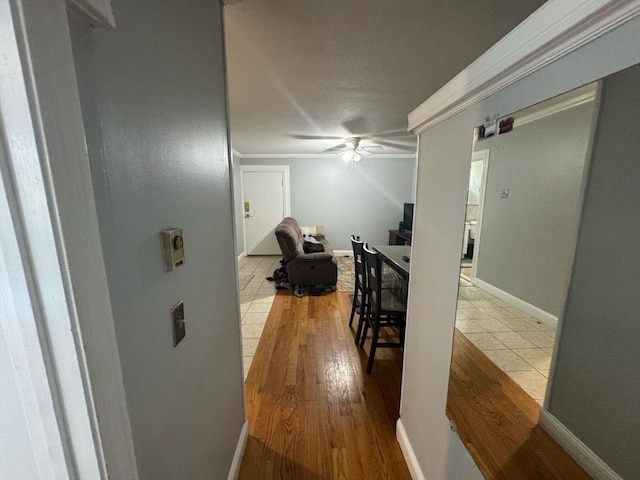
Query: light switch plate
(178, 322)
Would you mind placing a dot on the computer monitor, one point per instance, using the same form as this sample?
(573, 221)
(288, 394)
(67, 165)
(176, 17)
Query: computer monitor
(407, 220)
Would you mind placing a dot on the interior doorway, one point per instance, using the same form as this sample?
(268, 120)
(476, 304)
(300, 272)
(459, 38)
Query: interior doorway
(475, 204)
(265, 202)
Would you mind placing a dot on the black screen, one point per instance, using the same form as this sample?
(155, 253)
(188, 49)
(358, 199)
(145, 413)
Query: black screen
(408, 216)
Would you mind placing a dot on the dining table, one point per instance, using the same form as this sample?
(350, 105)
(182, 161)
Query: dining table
(397, 257)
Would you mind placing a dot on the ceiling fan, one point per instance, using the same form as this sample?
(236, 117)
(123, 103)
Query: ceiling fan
(351, 151)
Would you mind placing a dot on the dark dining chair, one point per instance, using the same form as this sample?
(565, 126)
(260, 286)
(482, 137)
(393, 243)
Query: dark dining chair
(383, 309)
(359, 297)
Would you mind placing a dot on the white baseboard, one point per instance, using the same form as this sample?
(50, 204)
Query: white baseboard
(408, 453)
(343, 253)
(234, 471)
(242, 255)
(582, 454)
(526, 307)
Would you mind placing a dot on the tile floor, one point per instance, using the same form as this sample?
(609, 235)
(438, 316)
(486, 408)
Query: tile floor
(520, 345)
(255, 302)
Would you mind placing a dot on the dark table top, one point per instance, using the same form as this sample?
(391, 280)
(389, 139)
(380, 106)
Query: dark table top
(392, 256)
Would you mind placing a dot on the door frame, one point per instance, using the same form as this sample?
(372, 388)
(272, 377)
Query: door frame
(286, 187)
(480, 156)
(63, 348)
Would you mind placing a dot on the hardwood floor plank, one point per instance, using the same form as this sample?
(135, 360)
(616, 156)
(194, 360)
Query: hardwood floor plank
(497, 421)
(354, 464)
(339, 464)
(313, 413)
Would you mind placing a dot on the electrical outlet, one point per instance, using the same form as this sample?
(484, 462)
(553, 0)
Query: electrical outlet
(178, 323)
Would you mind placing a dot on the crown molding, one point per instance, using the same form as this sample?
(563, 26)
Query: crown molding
(554, 30)
(556, 108)
(282, 156)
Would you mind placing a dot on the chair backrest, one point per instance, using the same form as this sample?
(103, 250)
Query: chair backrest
(358, 258)
(373, 266)
(289, 238)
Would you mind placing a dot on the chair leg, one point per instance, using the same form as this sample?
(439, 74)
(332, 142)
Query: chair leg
(353, 311)
(365, 330)
(353, 305)
(363, 325)
(360, 328)
(374, 344)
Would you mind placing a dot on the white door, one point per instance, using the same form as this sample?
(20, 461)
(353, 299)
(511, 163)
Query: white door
(265, 204)
(481, 160)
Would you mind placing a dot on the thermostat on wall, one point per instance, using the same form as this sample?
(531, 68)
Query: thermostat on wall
(172, 248)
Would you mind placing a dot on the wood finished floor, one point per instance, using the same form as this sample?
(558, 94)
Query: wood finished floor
(313, 413)
(502, 434)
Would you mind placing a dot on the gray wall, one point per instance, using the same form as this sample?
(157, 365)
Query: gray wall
(528, 239)
(596, 382)
(443, 178)
(238, 210)
(366, 201)
(153, 98)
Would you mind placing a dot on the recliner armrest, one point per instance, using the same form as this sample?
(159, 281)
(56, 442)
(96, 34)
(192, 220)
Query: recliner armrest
(313, 257)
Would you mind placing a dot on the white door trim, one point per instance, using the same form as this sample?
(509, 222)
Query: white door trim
(53, 214)
(480, 156)
(19, 330)
(284, 169)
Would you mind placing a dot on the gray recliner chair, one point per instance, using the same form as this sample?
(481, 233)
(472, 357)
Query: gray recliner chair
(305, 268)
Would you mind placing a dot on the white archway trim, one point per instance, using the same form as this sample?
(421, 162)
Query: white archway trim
(553, 31)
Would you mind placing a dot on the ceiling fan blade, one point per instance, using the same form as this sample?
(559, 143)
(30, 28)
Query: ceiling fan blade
(372, 147)
(338, 148)
(399, 146)
(313, 137)
(389, 134)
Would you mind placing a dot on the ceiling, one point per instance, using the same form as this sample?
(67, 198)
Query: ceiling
(304, 75)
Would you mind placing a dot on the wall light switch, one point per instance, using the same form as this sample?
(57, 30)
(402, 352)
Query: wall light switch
(504, 193)
(178, 323)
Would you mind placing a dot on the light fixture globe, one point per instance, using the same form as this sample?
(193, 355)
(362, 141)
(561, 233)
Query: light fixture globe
(353, 152)
(348, 155)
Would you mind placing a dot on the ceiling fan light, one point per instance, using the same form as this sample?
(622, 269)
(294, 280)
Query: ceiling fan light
(348, 155)
(356, 157)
